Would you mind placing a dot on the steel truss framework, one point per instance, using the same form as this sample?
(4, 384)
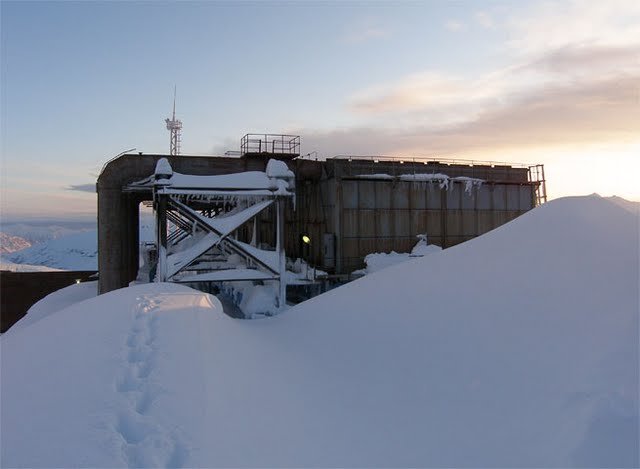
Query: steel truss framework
(195, 228)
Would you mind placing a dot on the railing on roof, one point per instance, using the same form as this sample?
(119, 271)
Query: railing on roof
(270, 143)
(428, 159)
(472, 168)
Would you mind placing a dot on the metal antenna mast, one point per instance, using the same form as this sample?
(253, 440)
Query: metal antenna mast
(174, 126)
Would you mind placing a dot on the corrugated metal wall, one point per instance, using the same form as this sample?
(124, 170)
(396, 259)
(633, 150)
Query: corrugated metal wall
(348, 215)
(382, 215)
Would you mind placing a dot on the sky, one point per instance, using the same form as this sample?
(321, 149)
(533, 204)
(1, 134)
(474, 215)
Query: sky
(550, 82)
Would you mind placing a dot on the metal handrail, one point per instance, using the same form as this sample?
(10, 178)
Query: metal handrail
(270, 143)
(429, 159)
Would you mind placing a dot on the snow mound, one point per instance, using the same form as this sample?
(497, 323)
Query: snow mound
(518, 348)
(381, 260)
(57, 301)
(113, 381)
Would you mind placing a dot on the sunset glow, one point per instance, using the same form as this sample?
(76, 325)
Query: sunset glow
(552, 82)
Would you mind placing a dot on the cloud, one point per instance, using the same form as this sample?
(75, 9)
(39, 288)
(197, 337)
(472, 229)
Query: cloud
(83, 187)
(365, 30)
(437, 100)
(484, 19)
(569, 86)
(555, 24)
(454, 26)
(587, 58)
(576, 113)
(416, 91)
(19, 203)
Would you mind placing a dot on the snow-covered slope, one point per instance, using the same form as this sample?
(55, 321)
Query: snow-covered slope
(518, 348)
(56, 301)
(40, 232)
(76, 251)
(65, 248)
(11, 267)
(10, 243)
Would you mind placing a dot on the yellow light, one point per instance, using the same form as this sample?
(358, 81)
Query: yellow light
(306, 239)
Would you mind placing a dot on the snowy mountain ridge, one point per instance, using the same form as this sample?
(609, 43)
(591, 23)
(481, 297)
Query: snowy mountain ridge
(40, 232)
(76, 251)
(66, 249)
(9, 244)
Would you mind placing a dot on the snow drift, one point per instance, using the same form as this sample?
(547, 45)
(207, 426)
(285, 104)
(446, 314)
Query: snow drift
(518, 348)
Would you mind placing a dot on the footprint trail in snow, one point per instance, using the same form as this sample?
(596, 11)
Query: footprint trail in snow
(145, 443)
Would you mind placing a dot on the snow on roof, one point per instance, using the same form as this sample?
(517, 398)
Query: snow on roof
(247, 180)
(519, 347)
(278, 169)
(440, 178)
(277, 180)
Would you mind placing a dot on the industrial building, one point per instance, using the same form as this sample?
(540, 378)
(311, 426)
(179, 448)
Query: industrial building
(340, 210)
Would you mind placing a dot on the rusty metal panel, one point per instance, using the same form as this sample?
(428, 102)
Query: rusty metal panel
(350, 247)
(499, 197)
(417, 197)
(454, 223)
(350, 253)
(383, 245)
(483, 196)
(500, 217)
(418, 221)
(349, 194)
(469, 222)
(481, 172)
(519, 174)
(434, 223)
(329, 250)
(383, 191)
(350, 222)
(454, 195)
(329, 221)
(402, 223)
(485, 221)
(468, 198)
(366, 194)
(403, 244)
(400, 194)
(513, 197)
(367, 222)
(434, 196)
(368, 246)
(328, 189)
(512, 214)
(385, 223)
(527, 197)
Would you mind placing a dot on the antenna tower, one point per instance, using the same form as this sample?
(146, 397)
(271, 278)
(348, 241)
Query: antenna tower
(174, 126)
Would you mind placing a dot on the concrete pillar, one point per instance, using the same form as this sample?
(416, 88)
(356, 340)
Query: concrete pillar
(161, 238)
(282, 263)
(110, 239)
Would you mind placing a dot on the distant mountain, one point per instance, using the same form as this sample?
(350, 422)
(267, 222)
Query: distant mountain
(11, 267)
(39, 232)
(10, 243)
(66, 246)
(76, 251)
